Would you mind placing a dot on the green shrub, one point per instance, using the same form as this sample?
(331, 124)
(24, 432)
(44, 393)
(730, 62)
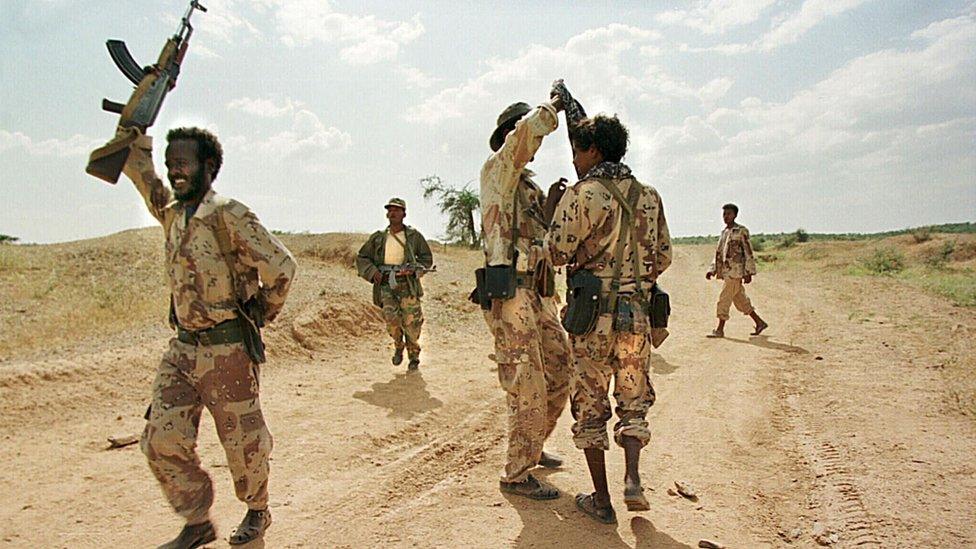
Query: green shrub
(884, 261)
(788, 241)
(921, 234)
(801, 235)
(942, 255)
(758, 244)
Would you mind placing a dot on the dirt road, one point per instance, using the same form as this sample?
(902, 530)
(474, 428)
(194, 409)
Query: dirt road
(838, 423)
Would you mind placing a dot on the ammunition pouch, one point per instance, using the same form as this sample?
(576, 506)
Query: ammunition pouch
(583, 302)
(497, 281)
(658, 307)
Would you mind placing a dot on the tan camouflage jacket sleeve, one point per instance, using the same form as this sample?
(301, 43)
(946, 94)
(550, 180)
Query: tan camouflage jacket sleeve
(139, 168)
(500, 177)
(262, 251)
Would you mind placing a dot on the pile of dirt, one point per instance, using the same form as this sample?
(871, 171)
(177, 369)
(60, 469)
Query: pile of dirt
(342, 316)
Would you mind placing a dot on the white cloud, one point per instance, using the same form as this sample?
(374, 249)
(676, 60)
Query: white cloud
(892, 116)
(811, 14)
(364, 39)
(307, 136)
(593, 65)
(717, 16)
(266, 108)
(76, 145)
(786, 28)
(415, 77)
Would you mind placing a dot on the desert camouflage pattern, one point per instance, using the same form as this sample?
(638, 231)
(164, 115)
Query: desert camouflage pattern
(502, 176)
(733, 257)
(586, 226)
(221, 378)
(601, 356)
(585, 230)
(533, 368)
(733, 293)
(197, 273)
(404, 317)
(224, 380)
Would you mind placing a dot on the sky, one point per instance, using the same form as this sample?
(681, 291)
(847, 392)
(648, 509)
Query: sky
(827, 115)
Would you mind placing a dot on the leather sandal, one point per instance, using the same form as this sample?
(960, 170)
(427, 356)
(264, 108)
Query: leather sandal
(531, 488)
(587, 504)
(252, 527)
(191, 536)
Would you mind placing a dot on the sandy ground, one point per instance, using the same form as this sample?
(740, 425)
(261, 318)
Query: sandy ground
(839, 421)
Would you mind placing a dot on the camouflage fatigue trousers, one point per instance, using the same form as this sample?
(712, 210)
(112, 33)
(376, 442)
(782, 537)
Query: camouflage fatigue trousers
(599, 356)
(533, 359)
(222, 378)
(404, 317)
(733, 292)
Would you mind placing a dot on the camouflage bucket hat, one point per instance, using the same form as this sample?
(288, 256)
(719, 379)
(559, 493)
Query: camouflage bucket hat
(398, 202)
(511, 113)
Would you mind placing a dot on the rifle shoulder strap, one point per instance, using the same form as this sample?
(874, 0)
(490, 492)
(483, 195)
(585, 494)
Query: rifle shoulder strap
(626, 228)
(227, 252)
(408, 253)
(515, 227)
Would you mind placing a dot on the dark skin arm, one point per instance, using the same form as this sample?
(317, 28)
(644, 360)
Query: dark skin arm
(556, 192)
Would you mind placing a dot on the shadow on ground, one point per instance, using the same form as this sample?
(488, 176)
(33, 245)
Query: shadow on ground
(766, 343)
(405, 395)
(558, 523)
(660, 366)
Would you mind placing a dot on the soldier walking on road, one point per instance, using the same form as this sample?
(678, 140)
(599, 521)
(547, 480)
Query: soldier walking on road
(224, 270)
(531, 348)
(735, 264)
(610, 229)
(394, 259)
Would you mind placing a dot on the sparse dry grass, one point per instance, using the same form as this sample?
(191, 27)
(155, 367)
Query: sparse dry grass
(57, 293)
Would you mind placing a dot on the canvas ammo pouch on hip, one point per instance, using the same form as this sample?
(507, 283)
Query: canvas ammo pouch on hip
(658, 307)
(582, 302)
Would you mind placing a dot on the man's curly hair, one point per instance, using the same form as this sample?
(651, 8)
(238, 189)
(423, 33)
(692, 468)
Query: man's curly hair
(207, 145)
(606, 133)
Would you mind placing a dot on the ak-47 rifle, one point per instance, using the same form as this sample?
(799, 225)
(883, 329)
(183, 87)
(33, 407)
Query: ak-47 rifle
(390, 272)
(152, 84)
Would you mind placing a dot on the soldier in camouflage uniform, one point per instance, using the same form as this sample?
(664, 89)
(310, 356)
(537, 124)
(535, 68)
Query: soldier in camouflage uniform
(585, 231)
(734, 263)
(394, 259)
(531, 348)
(207, 364)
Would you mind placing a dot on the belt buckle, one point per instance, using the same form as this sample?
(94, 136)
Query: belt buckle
(203, 338)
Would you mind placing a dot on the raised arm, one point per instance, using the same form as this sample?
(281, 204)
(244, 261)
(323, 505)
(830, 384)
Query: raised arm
(139, 168)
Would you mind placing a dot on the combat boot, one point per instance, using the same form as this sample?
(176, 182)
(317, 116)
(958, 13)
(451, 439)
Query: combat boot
(398, 357)
(192, 535)
(413, 365)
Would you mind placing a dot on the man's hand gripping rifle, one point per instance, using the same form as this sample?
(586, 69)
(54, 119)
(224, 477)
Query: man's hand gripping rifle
(152, 84)
(390, 272)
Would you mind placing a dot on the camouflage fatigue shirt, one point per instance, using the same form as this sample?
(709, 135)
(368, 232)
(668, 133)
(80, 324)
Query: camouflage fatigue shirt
(503, 175)
(587, 225)
(733, 257)
(199, 279)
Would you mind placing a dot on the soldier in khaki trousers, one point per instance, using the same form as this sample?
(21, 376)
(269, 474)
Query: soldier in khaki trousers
(735, 264)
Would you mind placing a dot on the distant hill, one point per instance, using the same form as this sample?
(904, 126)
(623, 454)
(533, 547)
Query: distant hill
(949, 228)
